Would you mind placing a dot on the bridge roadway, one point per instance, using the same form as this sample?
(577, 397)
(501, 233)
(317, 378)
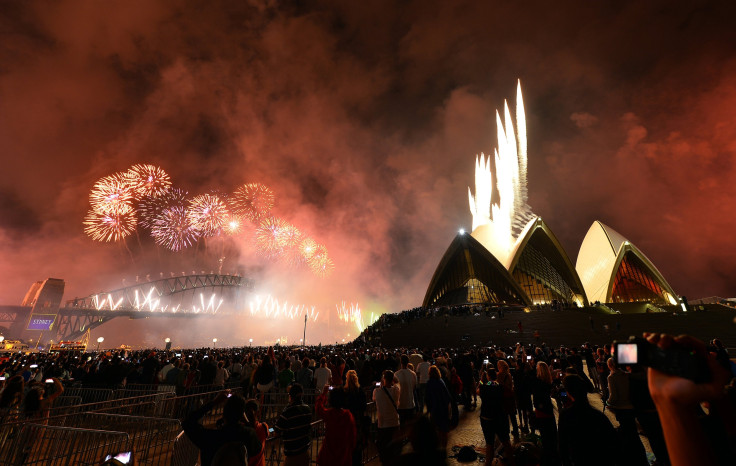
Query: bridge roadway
(177, 296)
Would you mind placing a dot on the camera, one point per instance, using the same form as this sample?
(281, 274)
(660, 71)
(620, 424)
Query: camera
(673, 361)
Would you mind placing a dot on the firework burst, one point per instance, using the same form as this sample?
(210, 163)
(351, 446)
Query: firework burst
(112, 195)
(252, 200)
(150, 208)
(109, 227)
(320, 262)
(208, 214)
(268, 234)
(172, 229)
(233, 224)
(148, 180)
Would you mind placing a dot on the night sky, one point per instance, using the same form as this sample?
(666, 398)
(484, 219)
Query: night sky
(365, 119)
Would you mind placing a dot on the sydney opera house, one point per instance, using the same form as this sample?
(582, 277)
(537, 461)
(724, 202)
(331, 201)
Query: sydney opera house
(512, 257)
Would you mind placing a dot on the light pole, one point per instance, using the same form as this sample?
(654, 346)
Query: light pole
(99, 340)
(250, 342)
(214, 343)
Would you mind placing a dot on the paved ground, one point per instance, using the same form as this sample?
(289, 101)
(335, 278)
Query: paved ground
(469, 432)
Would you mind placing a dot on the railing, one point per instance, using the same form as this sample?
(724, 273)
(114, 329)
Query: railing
(42, 445)
(148, 425)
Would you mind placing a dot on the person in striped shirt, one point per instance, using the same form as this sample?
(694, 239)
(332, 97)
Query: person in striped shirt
(294, 427)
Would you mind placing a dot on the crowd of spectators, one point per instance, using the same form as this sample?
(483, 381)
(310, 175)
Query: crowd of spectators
(534, 399)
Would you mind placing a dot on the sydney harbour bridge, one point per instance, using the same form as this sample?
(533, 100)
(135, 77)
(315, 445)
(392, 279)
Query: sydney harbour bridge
(182, 296)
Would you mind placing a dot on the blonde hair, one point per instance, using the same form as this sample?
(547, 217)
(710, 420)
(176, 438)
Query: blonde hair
(502, 366)
(543, 372)
(351, 380)
(434, 373)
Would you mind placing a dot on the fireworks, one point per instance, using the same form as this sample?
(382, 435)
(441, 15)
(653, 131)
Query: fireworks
(351, 314)
(112, 195)
(320, 262)
(143, 195)
(172, 229)
(109, 227)
(150, 208)
(271, 308)
(268, 236)
(252, 200)
(208, 214)
(148, 180)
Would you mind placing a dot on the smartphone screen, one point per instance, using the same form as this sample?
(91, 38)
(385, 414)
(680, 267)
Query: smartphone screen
(378, 384)
(270, 430)
(485, 361)
(49, 380)
(123, 457)
(528, 358)
(626, 353)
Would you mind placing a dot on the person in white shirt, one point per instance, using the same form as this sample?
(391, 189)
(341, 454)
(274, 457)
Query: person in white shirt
(322, 375)
(407, 383)
(164, 370)
(385, 395)
(423, 375)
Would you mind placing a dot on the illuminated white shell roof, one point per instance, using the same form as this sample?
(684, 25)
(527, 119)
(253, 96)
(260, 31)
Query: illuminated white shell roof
(600, 253)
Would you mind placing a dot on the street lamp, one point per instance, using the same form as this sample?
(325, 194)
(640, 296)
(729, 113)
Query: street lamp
(168, 340)
(99, 340)
(214, 342)
(250, 342)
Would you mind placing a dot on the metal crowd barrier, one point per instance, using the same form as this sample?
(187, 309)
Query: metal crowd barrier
(41, 445)
(274, 453)
(89, 395)
(185, 453)
(152, 438)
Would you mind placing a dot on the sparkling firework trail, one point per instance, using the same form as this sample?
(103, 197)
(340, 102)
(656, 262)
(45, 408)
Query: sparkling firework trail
(307, 248)
(150, 208)
(109, 227)
(252, 200)
(172, 229)
(271, 308)
(148, 180)
(351, 314)
(233, 225)
(208, 214)
(112, 195)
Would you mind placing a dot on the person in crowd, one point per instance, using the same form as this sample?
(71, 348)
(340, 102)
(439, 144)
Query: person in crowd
(355, 401)
(252, 413)
(438, 401)
(544, 416)
(692, 438)
(11, 398)
(505, 379)
(423, 377)
(425, 446)
(494, 419)
(586, 436)
(408, 384)
(340, 429)
(619, 402)
(265, 376)
(601, 367)
(294, 427)
(233, 428)
(221, 375)
(305, 375)
(37, 403)
(286, 376)
(385, 396)
(172, 374)
(322, 375)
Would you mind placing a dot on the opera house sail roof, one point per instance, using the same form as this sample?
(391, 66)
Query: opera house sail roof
(468, 273)
(543, 269)
(612, 269)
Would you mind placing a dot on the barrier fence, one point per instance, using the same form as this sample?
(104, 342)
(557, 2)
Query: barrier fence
(149, 425)
(41, 445)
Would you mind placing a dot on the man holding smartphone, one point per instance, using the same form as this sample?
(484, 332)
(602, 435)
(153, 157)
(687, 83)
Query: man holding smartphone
(234, 428)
